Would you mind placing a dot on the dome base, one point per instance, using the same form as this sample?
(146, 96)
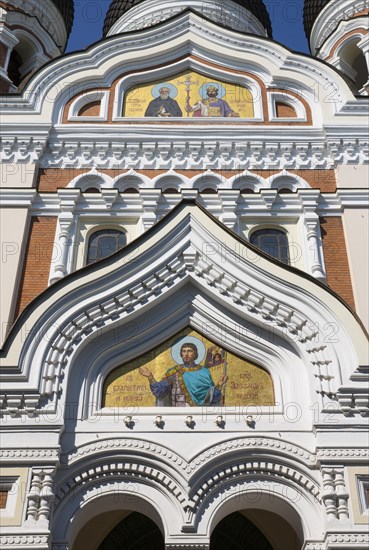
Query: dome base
(244, 15)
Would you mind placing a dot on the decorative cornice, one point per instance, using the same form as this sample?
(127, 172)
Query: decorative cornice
(189, 148)
(21, 144)
(225, 199)
(341, 540)
(29, 455)
(36, 541)
(343, 454)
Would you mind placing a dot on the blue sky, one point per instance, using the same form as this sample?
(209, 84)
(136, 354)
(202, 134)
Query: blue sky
(286, 16)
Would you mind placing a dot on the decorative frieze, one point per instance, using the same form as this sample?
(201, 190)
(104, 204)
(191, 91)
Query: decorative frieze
(220, 155)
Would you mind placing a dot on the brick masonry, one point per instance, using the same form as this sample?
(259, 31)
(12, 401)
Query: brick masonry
(3, 499)
(38, 257)
(285, 111)
(336, 259)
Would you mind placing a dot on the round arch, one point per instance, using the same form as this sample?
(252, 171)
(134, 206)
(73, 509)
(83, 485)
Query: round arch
(91, 180)
(78, 510)
(257, 496)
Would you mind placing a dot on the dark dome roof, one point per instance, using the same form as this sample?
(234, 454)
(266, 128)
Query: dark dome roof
(312, 8)
(66, 8)
(119, 7)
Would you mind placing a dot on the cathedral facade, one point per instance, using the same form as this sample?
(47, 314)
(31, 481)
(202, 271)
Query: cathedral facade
(184, 279)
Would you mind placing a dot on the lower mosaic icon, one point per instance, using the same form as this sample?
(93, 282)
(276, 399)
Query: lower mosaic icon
(188, 371)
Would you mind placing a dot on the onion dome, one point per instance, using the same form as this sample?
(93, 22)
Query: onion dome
(119, 8)
(312, 8)
(66, 9)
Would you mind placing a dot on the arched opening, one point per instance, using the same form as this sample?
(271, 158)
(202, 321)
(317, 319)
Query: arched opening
(254, 529)
(112, 518)
(354, 63)
(104, 243)
(15, 63)
(170, 191)
(131, 190)
(237, 532)
(135, 532)
(118, 530)
(273, 242)
(209, 191)
(284, 191)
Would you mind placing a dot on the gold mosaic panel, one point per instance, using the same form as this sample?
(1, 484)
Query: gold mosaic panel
(215, 377)
(189, 95)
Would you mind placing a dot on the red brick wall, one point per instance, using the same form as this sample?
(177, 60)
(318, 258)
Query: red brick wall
(336, 260)
(285, 111)
(37, 260)
(91, 109)
(3, 499)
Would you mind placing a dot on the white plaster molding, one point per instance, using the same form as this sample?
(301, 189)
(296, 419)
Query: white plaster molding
(22, 455)
(38, 541)
(349, 540)
(342, 454)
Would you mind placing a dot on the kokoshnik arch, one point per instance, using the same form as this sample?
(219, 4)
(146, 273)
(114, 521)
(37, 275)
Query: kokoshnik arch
(184, 271)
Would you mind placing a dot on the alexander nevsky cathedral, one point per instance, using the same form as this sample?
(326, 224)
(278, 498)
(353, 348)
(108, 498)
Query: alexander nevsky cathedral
(184, 278)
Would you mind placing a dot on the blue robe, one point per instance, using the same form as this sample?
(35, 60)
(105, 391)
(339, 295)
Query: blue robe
(196, 384)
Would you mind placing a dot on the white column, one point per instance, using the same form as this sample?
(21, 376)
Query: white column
(150, 199)
(313, 238)
(64, 238)
(229, 198)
